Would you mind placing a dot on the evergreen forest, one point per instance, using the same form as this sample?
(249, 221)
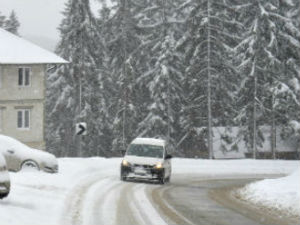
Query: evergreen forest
(176, 70)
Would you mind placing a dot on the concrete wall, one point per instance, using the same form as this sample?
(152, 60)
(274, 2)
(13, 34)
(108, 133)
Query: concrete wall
(10, 90)
(13, 98)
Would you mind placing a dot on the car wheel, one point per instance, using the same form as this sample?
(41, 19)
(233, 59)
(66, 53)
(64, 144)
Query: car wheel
(168, 179)
(162, 179)
(123, 177)
(30, 164)
(3, 195)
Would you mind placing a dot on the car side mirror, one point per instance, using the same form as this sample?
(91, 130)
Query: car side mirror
(168, 157)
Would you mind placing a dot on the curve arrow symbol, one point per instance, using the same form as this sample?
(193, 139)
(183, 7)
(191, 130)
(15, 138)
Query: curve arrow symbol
(81, 128)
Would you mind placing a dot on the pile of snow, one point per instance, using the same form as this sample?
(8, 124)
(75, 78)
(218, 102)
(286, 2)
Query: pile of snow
(39, 198)
(281, 194)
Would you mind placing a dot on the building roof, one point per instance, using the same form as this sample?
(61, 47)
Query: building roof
(16, 50)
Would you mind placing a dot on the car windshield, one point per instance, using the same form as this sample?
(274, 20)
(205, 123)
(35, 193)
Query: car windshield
(153, 151)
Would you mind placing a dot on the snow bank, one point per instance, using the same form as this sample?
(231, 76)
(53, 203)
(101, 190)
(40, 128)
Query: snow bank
(241, 167)
(281, 194)
(38, 198)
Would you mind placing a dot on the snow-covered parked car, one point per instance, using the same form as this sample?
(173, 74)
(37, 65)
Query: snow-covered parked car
(147, 158)
(4, 178)
(19, 156)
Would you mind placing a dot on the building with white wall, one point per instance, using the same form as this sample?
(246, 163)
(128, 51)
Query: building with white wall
(23, 67)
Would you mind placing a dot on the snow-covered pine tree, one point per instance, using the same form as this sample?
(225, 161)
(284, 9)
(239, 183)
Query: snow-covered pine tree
(12, 24)
(106, 84)
(262, 67)
(59, 114)
(210, 78)
(288, 103)
(163, 83)
(74, 90)
(2, 20)
(123, 40)
(161, 70)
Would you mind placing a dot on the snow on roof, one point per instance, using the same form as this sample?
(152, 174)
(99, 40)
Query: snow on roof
(148, 141)
(16, 50)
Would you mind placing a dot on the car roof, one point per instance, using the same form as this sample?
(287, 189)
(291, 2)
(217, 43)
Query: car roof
(149, 141)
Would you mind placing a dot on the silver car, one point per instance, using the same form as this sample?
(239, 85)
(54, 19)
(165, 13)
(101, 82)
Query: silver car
(4, 178)
(19, 156)
(147, 158)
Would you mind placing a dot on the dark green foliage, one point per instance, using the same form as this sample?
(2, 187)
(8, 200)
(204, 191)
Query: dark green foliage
(11, 23)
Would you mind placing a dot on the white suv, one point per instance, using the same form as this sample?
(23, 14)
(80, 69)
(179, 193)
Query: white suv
(147, 158)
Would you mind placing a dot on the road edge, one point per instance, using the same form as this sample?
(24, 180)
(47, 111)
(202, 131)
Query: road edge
(226, 197)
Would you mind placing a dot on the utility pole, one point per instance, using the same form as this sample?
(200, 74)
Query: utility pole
(164, 20)
(254, 110)
(80, 84)
(210, 143)
(273, 127)
(124, 74)
(80, 102)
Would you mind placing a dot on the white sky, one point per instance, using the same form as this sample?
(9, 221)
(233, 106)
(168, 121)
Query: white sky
(39, 18)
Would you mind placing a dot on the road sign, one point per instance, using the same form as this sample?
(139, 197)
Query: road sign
(81, 128)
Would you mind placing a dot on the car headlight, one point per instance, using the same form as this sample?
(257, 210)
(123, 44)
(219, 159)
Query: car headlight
(125, 163)
(158, 165)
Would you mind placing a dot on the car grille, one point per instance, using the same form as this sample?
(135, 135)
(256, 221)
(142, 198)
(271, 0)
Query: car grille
(144, 166)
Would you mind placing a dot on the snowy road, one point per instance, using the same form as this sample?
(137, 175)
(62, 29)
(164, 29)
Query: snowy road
(89, 192)
(186, 200)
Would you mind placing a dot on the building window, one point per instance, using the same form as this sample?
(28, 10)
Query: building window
(23, 118)
(24, 76)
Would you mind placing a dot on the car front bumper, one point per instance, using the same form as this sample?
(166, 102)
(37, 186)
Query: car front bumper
(142, 172)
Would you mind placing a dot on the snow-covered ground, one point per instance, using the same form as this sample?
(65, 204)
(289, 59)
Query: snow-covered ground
(41, 198)
(281, 193)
